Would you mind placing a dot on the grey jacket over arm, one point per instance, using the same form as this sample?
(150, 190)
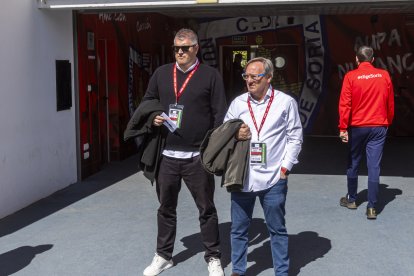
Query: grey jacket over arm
(223, 155)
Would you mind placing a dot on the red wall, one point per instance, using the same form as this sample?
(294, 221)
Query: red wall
(136, 43)
(143, 34)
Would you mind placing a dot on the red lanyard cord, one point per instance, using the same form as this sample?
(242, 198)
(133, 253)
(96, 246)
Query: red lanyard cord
(264, 116)
(179, 93)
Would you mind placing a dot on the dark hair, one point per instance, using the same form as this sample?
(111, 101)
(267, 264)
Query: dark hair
(365, 53)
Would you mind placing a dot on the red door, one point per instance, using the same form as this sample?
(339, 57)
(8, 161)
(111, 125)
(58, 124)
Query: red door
(100, 77)
(102, 103)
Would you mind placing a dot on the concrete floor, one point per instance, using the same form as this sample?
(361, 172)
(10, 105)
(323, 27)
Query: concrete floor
(106, 224)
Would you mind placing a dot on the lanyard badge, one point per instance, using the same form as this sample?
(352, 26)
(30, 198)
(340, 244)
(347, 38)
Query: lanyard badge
(176, 114)
(257, 153)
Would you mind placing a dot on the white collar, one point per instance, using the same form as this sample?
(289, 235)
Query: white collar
(267, 96)
(189, 69)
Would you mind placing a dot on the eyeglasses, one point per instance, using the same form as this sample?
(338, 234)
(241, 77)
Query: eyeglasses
(253, 77)
(183, 48)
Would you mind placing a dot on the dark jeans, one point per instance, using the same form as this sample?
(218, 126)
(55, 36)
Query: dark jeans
(201, 185)
(370, 139)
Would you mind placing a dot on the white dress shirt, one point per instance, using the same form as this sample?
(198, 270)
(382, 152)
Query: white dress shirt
(281, 131)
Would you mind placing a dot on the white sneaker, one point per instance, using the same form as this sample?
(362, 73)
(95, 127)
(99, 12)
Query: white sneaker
(158, 265)
(214, 267)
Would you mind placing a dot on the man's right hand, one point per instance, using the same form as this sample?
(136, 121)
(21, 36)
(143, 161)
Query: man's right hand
(344, 136)
(244, 133)
(158, 120)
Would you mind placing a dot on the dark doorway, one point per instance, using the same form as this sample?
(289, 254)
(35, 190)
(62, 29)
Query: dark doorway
(285, 58)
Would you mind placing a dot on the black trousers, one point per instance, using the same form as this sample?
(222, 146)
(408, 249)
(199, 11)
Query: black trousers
(201, 186)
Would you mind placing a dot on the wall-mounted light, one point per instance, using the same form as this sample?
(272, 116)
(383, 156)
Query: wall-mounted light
(280, 62)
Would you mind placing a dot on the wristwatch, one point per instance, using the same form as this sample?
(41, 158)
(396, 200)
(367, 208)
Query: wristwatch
(284, 171)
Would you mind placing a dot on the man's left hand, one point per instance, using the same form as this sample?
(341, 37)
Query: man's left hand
(244, 133)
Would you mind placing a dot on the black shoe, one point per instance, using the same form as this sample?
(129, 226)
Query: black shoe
(345, 203)
(371, 213)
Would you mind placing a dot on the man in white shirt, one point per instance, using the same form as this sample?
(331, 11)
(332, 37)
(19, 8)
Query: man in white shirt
(272, 124)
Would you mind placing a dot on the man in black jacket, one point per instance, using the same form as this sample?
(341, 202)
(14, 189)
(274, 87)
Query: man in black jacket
(192, 95)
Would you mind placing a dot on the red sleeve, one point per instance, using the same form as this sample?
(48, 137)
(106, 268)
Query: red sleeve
(344, 107)
(390, 108)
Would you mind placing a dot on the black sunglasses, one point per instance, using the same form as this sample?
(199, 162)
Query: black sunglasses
(183, 48)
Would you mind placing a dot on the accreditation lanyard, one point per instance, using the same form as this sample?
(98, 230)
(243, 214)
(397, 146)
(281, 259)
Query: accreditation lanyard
(264, 116)
(179, 93)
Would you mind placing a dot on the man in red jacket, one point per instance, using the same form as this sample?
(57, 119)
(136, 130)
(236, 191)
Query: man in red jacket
(366, 109)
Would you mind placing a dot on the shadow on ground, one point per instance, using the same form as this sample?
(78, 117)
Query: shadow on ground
(320, 155)
(328, 156)
(304, 248)
(112, 174)
(19, 258)
(386, 195)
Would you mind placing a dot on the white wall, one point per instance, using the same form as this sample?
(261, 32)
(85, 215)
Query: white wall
(37, 143)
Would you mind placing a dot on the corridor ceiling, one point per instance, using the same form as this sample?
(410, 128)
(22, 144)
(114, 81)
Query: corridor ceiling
(235, 8)
(290, 9)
